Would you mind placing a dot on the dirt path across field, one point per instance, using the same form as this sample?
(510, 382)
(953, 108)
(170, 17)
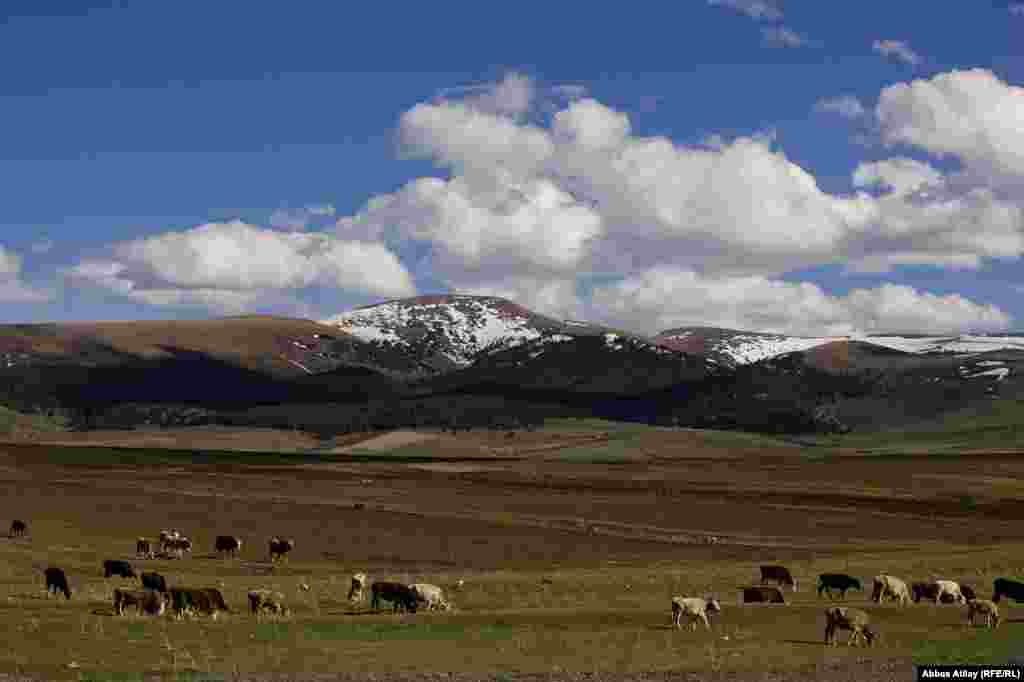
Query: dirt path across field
(389, 441)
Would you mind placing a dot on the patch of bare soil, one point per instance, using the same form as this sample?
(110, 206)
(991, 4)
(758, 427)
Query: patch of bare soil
(390, 441)
(196, 438)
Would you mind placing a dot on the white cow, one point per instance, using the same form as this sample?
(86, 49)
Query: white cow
(431, 594)
(358, 590)
(889, 586)
(694, 608)
(951, 588)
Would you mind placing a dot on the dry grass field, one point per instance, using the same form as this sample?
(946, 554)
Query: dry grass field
(571, 542)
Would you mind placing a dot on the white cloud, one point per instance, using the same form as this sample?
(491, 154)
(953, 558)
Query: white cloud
(12, 289)
(227, 265)
(755, 9)
(554, 297)
(971, 115)
(899, 175)
(897, 49)
(846, 106)
(667, 297)
(782, 36)
(298, 219)
(587, 195)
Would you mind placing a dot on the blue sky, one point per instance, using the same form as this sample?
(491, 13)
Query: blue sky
(201, 159)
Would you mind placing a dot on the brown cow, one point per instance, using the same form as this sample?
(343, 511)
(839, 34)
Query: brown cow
(854, 620)
(146, 601)
(18, 528)
(777, 574)
(758, 594)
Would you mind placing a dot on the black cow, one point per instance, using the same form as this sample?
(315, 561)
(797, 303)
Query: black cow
(398, 594)
(1010, 588)
(118, 567)
(759, 595)
(928, 590)
(227, 543)
(279, 547)
(18, 528)
(56, 582)
(777, 574)
(837, 581)
(154, 581)
(197, 600)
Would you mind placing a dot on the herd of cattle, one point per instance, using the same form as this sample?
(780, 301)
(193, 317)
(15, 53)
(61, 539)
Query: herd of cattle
(857, 622)
(155, 597)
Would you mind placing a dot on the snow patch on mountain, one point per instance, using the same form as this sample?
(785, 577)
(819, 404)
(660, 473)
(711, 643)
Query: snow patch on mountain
(948, 344)
(460, 326)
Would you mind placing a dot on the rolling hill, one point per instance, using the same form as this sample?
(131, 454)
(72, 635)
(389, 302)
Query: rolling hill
(434, 360)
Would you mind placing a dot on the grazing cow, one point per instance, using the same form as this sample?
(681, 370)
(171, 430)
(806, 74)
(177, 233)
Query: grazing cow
(985, 608)
(145, 601)
(945, 591)
(18, 528)
(197, 600)
(279, 547)
(695, 609)
(1009, 588)
(228, 544)
(777, 574)
(398, 594)
(854, 620)
(837, 581)
(56, 582)
(179, 546)
(888, 586)
(144, 548)
(758, 595)
(357, 592)
(431, 595)
(166, 536)
(154, 581)
(266, 600)
(118, 567)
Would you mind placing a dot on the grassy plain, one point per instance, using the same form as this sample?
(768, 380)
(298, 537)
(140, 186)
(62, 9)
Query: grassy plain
(569, 559)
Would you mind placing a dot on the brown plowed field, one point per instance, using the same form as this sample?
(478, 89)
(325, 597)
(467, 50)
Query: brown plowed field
(568, 566)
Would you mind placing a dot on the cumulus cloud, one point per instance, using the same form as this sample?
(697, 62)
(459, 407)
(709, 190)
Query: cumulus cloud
(232, 265)
(897, 49)
(667, 297)
(755, 9)
(587, 195)
(971, 115)
(846, 106)
(12, 289)
(555, 297)
(898, 175)
(298, 219)
(539, 208)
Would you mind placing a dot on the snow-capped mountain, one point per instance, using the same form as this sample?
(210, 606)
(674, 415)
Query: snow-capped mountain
(446, 333)
(736, 347)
